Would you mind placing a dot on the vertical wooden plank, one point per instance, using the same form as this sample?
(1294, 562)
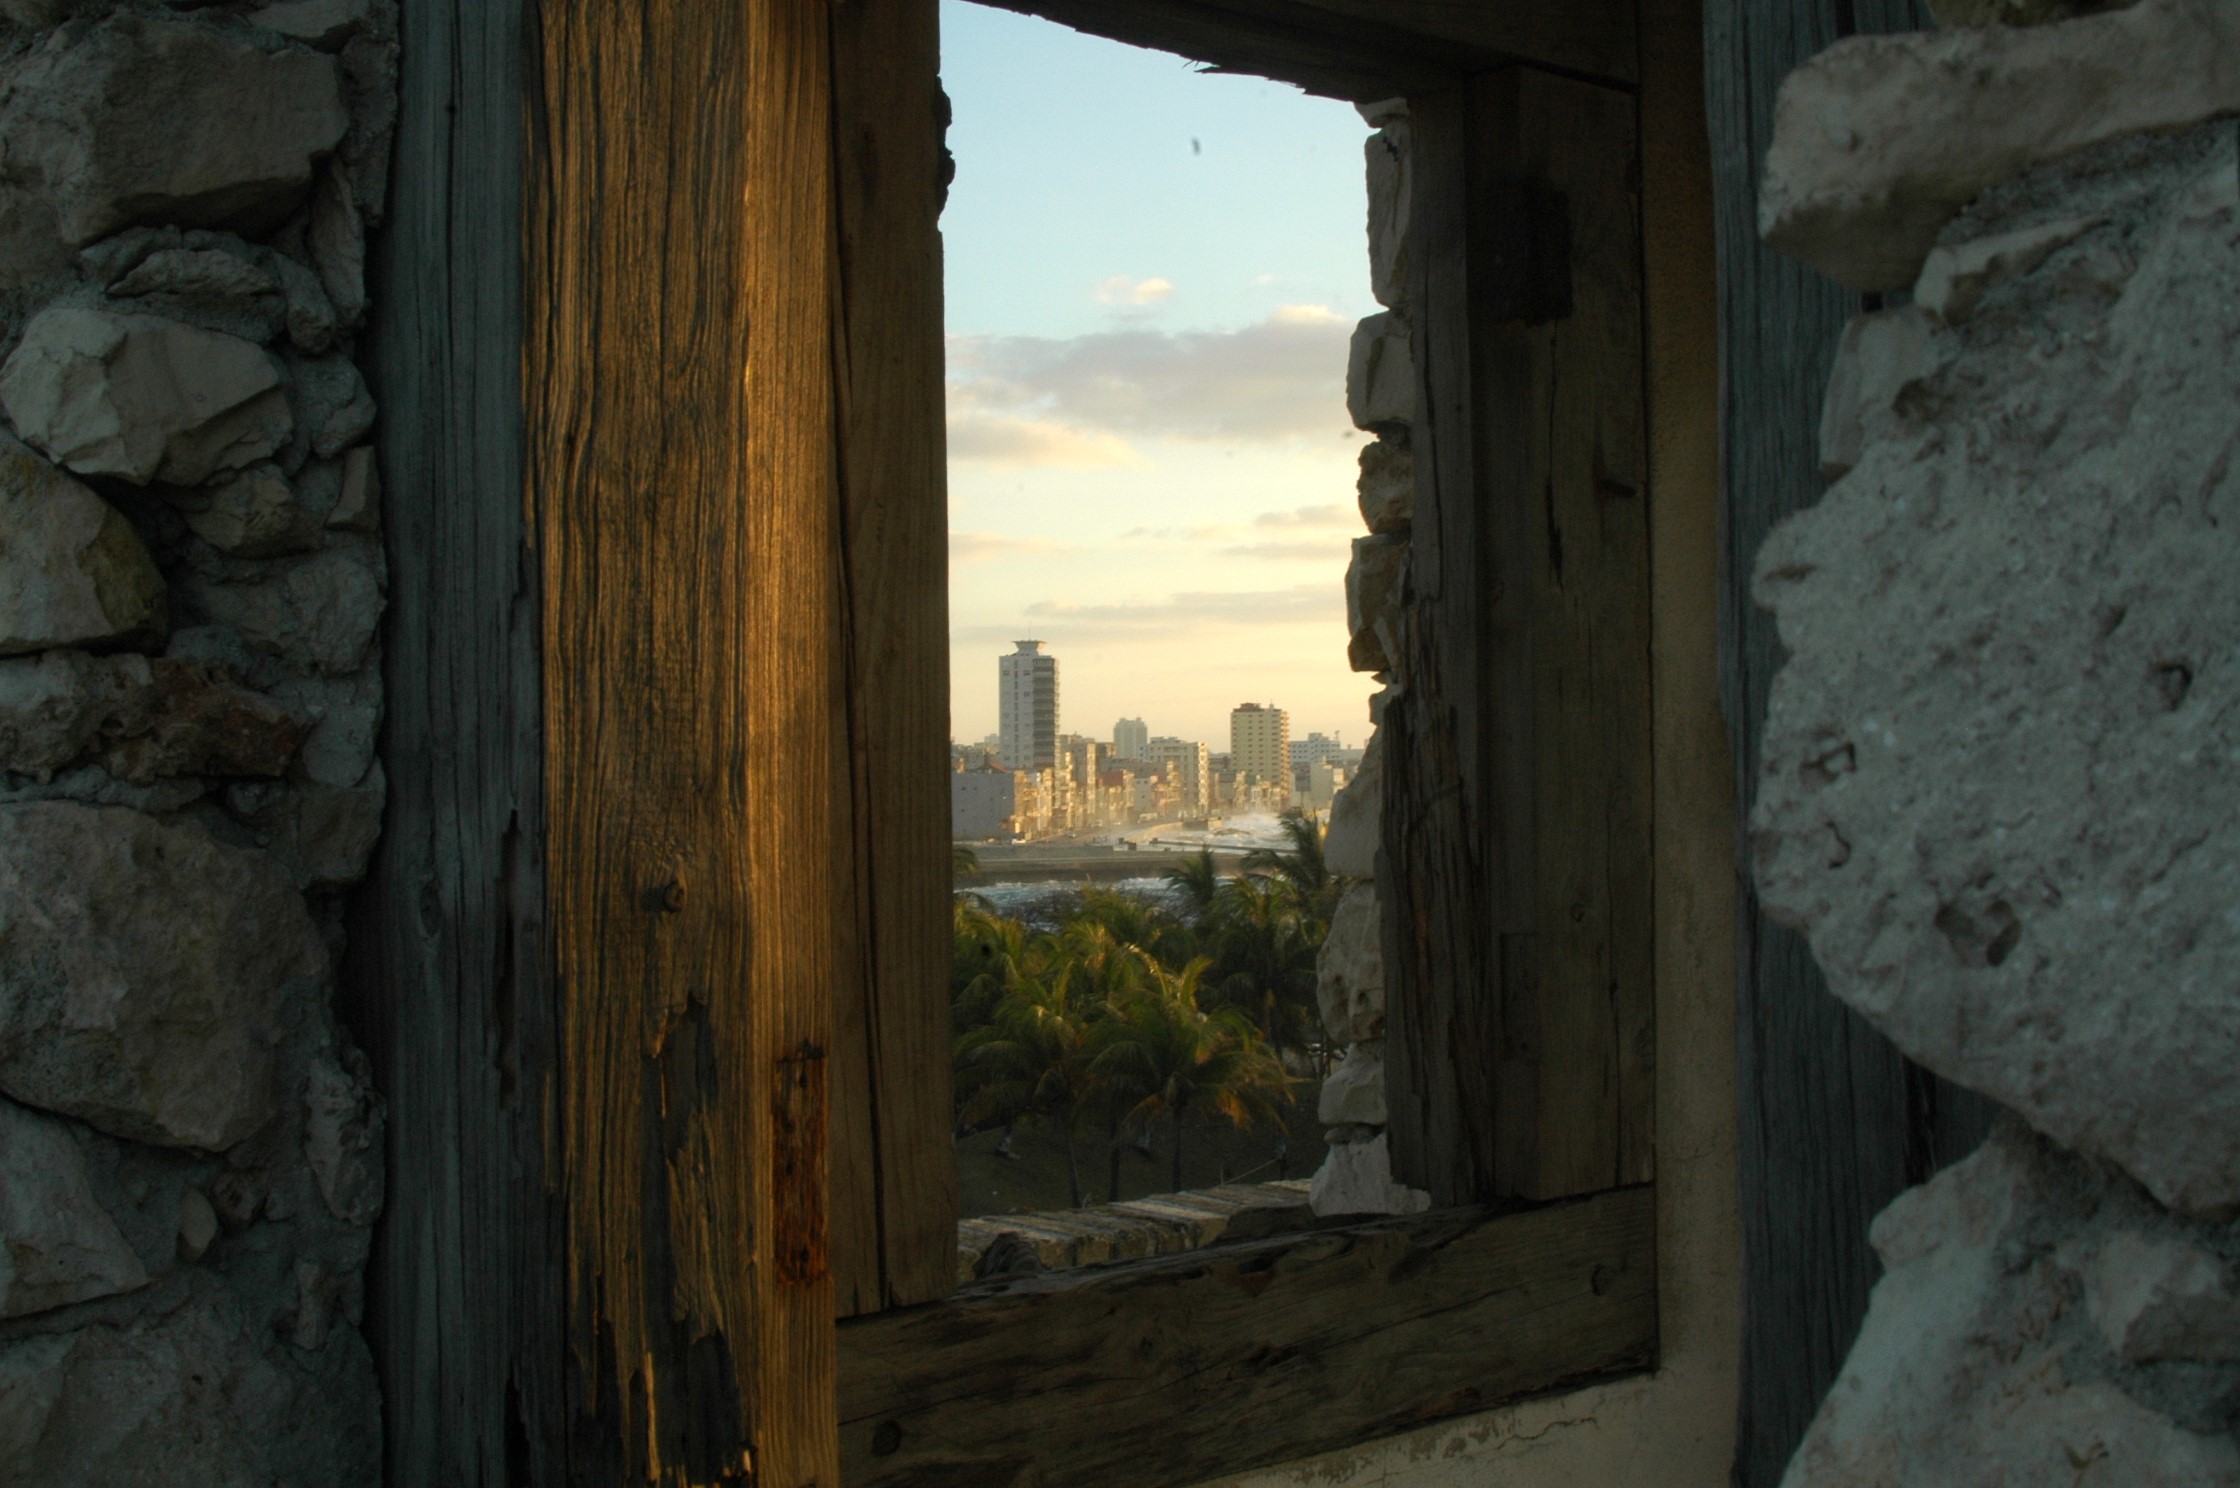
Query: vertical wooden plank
(1833, 1121)
(1580, 507)
(895, 1217)
(451, 993)
(1519, 930)
(679, 445)
(1443, 973)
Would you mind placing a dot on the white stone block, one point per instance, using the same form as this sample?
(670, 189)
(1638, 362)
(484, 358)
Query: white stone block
(1349, 847)
(1381, 375)
(1356, 1178)
(1353, 1094)
(1880, 140)
(1350, 969)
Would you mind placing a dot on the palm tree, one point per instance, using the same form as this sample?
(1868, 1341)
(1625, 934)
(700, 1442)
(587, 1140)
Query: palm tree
(1031, 1061)
(1164, 1051)
(963, 861)
(1301, 865)
(1199, 881)
(1267, 950)
(991, 952)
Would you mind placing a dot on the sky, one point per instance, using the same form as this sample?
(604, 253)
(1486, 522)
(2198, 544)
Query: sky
(1152, 275)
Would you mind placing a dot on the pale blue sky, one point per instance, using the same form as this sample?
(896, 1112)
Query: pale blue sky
(1151, 467)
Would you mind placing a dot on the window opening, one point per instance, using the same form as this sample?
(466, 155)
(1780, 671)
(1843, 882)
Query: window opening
(1153, 280)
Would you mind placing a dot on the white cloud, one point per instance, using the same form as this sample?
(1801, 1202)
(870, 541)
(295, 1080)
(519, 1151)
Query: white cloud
(993, 437)
(1120, 289)
(1188, 614)
(1307, 315)
(1332, 515)
(1331, 551)
(979, 547)
(1280, 379)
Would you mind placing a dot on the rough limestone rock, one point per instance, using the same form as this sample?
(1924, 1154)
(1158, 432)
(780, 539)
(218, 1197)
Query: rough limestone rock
(1349, 848)
(1977, 1367)
(1387, 487)
(1387, 152)
(202, 722)
(1356, 1178)
(337, 408)
(1880, 140)
(56, 707)
(141, 398)
(342, 1127)
(1882, 354)
(338, 245)
(192, 1391)
(1350, 970)
(2000, 796)
(1373, 585)
(2157, 1297)
(357, 506)
(1381, 375)
(2017, 12)
(145, 721)
(346, 724)
(216, 288)
(139, 119)
(72, 571)
(57, 1244)
(1956, 277)
(1354, 1092)
(325, 24)
(318, 612)
(253, 515)
(31, 247)
(143, 968)
(324, 834)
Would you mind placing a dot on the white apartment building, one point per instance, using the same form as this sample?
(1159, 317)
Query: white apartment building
(1260, 747)
(1192, 772)
(1027, 708)
(1129, 736)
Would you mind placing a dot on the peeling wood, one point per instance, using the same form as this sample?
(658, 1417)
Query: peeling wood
(679, 417)
(1519, 928)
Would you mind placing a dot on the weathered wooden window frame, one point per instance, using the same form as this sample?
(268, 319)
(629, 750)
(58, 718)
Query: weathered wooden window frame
(1516, 858)
(658, 937)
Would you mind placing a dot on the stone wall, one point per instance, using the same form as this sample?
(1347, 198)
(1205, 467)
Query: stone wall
(191, 582)
(1356, 1176)
(2000, 793)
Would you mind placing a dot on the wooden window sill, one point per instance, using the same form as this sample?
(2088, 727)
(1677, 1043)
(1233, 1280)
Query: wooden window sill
(1179, 1369)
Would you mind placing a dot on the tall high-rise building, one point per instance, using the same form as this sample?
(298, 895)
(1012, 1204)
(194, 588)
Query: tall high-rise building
(1027, 708)
(1188, 756)
(1260, 746)
(1129, 736)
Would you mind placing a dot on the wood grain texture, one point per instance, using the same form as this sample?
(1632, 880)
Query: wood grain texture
(679, 416)
(1520, 916)
(1177, 1371)
(1833, 1121)
(450, 988)
(1365, 49)
(895, 1183)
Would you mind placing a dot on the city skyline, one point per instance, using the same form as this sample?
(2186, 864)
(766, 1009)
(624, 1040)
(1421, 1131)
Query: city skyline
(1031, 727)
(1150, 296)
